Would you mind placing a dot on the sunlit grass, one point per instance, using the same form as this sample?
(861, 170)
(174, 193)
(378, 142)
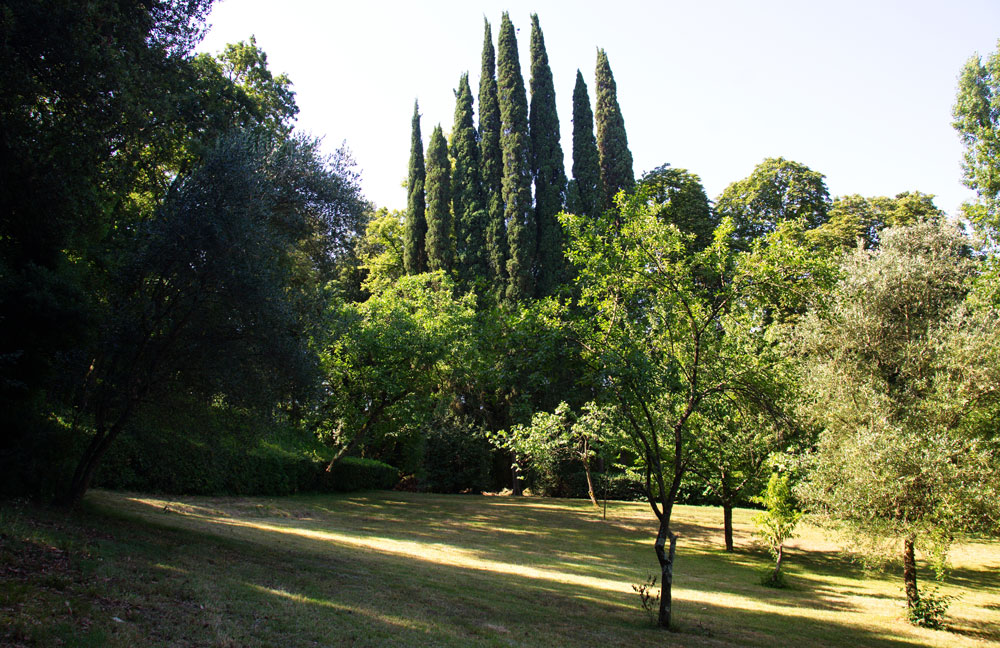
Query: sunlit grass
(414, 569)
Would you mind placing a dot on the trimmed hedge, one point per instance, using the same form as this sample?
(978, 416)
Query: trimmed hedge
(186, 467)
(222, 451)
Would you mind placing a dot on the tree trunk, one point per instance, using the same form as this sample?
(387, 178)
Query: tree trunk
(87, 466)
(666, 559)
(910, 573)
(590, 485)
(776, 574)
(727, 523)
(515, 478)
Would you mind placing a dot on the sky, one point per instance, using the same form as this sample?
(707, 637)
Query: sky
(860, 91)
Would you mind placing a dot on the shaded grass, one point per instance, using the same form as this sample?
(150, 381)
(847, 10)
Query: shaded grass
(425, 570)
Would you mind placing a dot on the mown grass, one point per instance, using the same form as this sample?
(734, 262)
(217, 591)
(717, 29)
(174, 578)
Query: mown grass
(403, 569)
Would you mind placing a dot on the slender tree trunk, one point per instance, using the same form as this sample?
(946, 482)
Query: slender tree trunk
(584, 456)
(590, 484)
(666, 558)
(727, 522)
(910, 573)
(776, 574)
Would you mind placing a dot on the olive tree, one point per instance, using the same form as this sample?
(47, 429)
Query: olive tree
(892, 366)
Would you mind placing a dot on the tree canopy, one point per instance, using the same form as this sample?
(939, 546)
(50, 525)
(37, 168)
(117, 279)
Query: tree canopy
(899, 454)
(977, 120)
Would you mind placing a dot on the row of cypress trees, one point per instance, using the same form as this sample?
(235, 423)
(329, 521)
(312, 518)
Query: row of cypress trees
(485, 208)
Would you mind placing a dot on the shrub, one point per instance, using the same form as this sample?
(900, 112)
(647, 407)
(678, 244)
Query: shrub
(357, 473)
(614, 486)
(457, 458)
(930, 609)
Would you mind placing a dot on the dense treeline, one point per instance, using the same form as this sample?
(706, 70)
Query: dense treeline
(193, 299)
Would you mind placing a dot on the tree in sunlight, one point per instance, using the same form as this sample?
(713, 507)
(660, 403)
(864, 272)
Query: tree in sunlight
(673, 330)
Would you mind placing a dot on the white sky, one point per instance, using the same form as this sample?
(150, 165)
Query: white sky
(860, 91)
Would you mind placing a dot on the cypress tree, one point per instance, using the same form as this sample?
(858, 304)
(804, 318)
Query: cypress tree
(414, 246)
(573, 204)
(586, 161)
(547, 166)
(491, 166)
(438, 191)
(468, 210)
(516, 148)
(612, 143)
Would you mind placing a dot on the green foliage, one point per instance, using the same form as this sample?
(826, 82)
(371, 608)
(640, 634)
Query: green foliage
(387, 359)
(437, 188)
(547, 167)
(457, 458)
(778, 190)
(491, 159)
(357, 473)
(468, 205)
(185, 447)
(185, 231)
(612, 142)
(94, 96)
(617, 486)
(977, 120)
(730, 460)
(381, 250)
(550, 436)
(930, 609)
(855, 220)
(522, 229)
(214, 292)
(896, 371)
(680, 199)
(586, 159)
(415, 246)
(239, 77)
(670, 339)
(40, 454)
(776, 523)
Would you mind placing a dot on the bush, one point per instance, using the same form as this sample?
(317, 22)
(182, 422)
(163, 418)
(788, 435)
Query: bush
(614, 486)
(356, 473)
(930, 609)
(457, 458)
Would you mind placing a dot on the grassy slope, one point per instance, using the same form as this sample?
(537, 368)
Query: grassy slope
(407, 569)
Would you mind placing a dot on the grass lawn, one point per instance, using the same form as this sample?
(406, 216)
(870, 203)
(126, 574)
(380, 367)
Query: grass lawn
(405, 569)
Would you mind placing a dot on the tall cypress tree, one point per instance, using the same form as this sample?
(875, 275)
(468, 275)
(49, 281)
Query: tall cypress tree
(586, 160)
(515, 146)
(414, 245)
(468, 210)
(547, 166)
(438, 191)
(612, 143)
(491, 166)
